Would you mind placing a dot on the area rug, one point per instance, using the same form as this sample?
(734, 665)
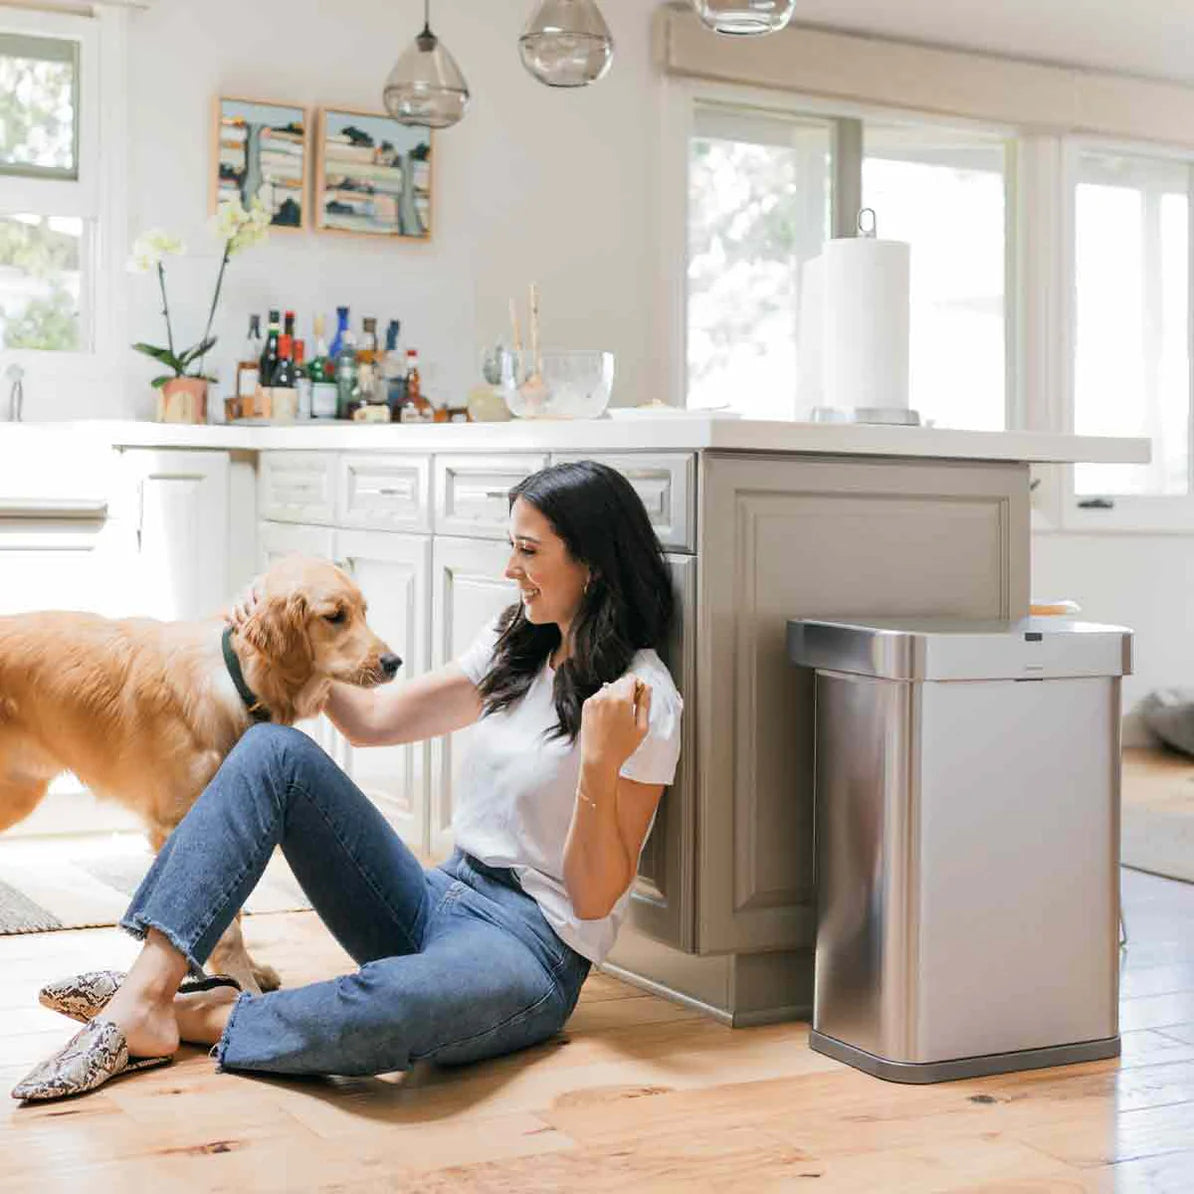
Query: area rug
(49, 883)
(1158, 813)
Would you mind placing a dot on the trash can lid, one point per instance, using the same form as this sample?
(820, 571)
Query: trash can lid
(955, 649)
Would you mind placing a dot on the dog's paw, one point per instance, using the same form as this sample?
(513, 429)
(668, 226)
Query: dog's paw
(267, 977)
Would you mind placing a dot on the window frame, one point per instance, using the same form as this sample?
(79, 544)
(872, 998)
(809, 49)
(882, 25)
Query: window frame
(1142, 513)
(97, 196)
(681, 98)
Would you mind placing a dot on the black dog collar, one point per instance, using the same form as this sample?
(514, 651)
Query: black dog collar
(257, 711)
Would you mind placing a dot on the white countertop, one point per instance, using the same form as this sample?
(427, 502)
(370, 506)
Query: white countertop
(640, 433)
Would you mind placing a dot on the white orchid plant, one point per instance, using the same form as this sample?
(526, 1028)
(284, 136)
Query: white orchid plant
(238, 228)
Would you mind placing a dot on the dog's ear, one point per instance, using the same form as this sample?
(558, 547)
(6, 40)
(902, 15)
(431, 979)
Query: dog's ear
(278, 629)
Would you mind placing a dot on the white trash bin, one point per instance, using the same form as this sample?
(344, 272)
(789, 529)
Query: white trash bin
(967, 842)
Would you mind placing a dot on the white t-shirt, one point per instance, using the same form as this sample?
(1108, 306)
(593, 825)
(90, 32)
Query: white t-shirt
(517, 788)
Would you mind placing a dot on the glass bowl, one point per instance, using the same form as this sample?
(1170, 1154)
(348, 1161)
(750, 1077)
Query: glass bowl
(571, 383)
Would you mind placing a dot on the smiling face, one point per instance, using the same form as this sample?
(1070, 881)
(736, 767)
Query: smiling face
(550, 582)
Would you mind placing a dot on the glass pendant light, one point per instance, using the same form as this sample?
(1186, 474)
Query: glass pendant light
(745, 17)
(567, 43)
(426, 87)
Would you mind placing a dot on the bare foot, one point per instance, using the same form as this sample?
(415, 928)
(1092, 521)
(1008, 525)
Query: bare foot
(150, 1029)
(202, 1015)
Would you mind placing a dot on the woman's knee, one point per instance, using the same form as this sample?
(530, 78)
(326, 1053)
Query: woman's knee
(278, 753)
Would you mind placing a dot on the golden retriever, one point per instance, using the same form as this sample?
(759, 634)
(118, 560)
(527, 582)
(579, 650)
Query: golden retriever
(144, 712)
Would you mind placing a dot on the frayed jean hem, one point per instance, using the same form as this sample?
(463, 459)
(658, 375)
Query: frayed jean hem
(138, 926)
(220, 1048)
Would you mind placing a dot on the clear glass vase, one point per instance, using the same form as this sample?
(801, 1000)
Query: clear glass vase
(747, 18)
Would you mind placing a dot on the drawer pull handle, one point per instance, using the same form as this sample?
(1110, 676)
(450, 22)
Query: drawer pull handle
(392, 491)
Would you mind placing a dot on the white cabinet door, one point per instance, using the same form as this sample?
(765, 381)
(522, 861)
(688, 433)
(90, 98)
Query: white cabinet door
(468, 589)
(180, 570)
(393, 571)
(278, 539)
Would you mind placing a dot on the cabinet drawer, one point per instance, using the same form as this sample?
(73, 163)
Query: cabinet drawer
(275, 540)
(666, 484)
(384, 493)
(297, 486)
(471, 492)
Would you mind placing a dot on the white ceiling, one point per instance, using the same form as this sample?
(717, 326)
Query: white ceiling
(1141, 37)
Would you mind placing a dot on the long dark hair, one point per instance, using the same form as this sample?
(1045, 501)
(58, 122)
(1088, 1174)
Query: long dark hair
(628, 604)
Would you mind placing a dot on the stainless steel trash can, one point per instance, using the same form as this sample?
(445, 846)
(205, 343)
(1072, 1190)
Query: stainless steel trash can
(967, 842)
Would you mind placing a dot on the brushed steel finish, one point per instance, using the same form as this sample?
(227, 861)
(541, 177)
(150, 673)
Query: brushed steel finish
(966, 841)
(953, 649)
(963, 1067)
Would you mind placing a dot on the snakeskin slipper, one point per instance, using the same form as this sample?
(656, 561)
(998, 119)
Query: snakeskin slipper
(84, 996)
(96, 1053)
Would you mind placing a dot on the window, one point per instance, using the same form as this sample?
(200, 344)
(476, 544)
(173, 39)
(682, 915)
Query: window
(943, 191)
(39, 103)
(48, 191)
(761, 203)
(759, 195)
(1131, 318)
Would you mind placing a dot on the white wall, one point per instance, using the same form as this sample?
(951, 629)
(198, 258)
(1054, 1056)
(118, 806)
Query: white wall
(1145, 582)
(534, 184)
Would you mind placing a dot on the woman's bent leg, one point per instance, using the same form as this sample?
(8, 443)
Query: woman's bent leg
(278, 788)
(473, 991)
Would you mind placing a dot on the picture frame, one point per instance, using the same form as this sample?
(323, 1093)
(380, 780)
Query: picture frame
(373, 176)
(263, 147)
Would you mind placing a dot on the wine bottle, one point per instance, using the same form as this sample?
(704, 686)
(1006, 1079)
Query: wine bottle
(341, 329)
(347, 391)
(269, 354)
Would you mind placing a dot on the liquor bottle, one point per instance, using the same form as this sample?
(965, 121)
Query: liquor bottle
(322, 372)
(302, 381)
(341, 329)
(288, 327)
(283, 391)
(320, 367)
(347, 392)
(248, 368)
(367, 381)
(269, 354)
(416, 408)
(284, 370)
(393, 371)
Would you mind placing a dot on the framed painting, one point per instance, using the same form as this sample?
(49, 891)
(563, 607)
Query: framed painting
(373, 175)
(262, 149)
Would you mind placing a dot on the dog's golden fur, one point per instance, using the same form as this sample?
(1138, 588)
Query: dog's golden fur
(144, 712)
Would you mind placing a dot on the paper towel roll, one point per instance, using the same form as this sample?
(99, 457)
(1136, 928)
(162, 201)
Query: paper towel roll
(810, 354)
(866, 322)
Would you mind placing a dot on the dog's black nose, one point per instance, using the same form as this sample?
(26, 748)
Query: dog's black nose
(390, 664)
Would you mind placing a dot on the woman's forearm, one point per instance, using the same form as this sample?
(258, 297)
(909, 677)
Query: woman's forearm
(596, 867)
(353, 711)
(434, 703)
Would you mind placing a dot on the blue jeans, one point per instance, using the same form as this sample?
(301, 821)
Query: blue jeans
(457, 962)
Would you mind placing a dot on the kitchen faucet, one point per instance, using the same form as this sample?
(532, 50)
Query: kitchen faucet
(14, 375)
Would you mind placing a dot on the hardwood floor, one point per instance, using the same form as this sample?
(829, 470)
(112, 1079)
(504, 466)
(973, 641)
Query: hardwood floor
(641, 1093)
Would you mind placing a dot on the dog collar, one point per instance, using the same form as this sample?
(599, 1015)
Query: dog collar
(257, 711)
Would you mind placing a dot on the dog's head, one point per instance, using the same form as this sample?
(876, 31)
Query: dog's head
(309, 624)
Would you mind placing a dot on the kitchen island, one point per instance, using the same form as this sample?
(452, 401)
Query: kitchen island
(761, 522)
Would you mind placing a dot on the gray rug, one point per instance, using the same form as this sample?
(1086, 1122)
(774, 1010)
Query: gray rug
(51, 883)
(1159, 842)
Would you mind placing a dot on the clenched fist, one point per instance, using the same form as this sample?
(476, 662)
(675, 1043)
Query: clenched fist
(614, 721)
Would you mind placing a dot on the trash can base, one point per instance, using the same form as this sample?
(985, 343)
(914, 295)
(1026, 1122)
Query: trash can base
(962, 1067)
